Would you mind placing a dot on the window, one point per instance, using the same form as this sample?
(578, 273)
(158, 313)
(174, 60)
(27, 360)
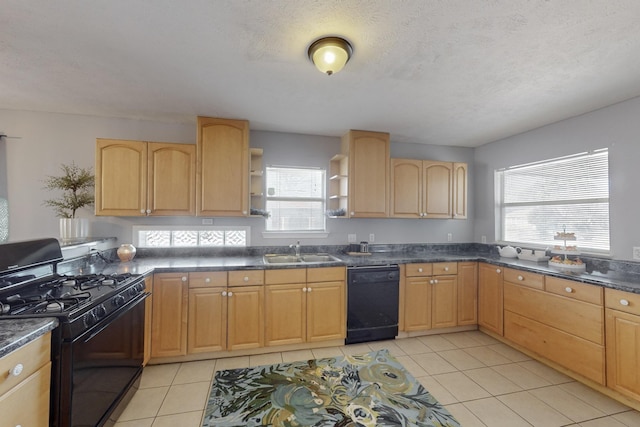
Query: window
(171, 237)
(295, 199)
(536, 200)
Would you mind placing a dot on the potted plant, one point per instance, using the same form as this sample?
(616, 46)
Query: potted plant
(77, 185)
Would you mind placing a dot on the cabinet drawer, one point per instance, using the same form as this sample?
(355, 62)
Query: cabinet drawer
(246, 277)
(577, 318)
(287, 275)
(622, 301)
(575, 290)
(326, 274)
(580, 356)
(27, 404)
(27, 360)
(207, 279)
(524, 278)
(418, 269)
(442, 268)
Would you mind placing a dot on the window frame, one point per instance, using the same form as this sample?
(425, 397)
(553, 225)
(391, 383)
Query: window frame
(318, 233)
(501, 206)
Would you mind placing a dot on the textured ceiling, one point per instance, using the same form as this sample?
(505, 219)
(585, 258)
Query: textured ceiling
(444, 72)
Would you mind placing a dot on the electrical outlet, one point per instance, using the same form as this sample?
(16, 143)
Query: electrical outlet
(207, 221)
(351, 238)
(372, 238)
(484, 239)
(636, 252)
(449, 237)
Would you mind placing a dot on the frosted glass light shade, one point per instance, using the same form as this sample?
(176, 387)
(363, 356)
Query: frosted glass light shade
(330, 54)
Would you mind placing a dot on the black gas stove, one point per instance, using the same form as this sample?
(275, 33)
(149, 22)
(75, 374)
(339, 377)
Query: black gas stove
(97, 350)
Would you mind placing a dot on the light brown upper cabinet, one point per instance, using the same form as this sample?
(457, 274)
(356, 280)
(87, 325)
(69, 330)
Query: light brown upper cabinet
(428, 189)
(368, 173)
(137, 178)
(223, 167)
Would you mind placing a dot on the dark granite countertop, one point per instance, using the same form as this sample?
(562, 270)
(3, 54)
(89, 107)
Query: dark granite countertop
(14, 333)
(625, 281)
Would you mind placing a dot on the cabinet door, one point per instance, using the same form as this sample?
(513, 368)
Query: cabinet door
(172, 179)
(444, 306)
(245, 327)
(285, 314)
(121, 177)
(417, 310)
(223, 167)
(467, 293)
(169, 317)
(623, 352)
(406, 188)
(326, 319)
(368, 173)
(207, 320)
(490, 294)
(27, 404)
(436, 192)
(460, 190)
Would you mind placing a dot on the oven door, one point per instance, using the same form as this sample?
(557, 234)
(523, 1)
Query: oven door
(104, 363)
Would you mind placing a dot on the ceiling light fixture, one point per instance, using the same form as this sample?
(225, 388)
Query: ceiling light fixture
(330, 54)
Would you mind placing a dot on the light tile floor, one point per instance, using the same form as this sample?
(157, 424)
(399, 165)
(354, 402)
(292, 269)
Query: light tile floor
(481, 381)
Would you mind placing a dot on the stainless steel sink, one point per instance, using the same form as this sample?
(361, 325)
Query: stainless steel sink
(281, 259)
(302, 259)
(318, 258)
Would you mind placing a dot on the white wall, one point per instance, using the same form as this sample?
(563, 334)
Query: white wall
(47, 140)
(616, 127)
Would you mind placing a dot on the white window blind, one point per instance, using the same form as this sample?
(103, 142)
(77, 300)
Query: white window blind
(295, 199)
(537, 200)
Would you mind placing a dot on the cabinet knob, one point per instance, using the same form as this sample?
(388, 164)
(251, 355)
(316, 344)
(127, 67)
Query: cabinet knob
(520, 278)
(419, 270)
(224, 293)
(244, 212)
(568, 289)
(624, 302)
(207, 280)
(245, 278)
(16, 370)
(304, 289)
(148, 211)
(431, 282)
(309, 289)
(352, 213)
(142, 211)
(435, 281)
(498, 271)
(230, 294)
(184, 278)
(446, 269)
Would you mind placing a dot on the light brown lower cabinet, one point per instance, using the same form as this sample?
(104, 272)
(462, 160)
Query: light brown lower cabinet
(169, 314)
(245, 317)
(434, 295)
(305, 305)
(623, 342)
(490, 288)
(24, 397)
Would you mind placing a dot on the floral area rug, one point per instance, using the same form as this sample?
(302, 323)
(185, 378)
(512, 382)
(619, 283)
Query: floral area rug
(367, 390)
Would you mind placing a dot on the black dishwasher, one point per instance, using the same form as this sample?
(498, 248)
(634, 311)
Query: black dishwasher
(372, 303)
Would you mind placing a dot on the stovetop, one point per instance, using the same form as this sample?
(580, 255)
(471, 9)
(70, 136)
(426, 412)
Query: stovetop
(62, 295)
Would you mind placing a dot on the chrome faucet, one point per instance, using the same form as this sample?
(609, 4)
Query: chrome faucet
(296, 247)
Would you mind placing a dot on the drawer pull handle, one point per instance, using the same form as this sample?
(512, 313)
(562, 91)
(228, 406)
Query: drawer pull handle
(184, 278)
(520, 278)
(498, 271)
(246, 278)
(419, 270)
(16, 370)
(624, 302)
(207, 280)
(568, 289)
(446, 269)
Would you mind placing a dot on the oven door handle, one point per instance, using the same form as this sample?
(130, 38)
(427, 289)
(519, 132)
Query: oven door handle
(113, 317)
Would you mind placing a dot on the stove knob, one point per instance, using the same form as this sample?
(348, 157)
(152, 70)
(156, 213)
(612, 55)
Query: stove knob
(90, 319)
(100, 311)
(132, 291)
(118, 300)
